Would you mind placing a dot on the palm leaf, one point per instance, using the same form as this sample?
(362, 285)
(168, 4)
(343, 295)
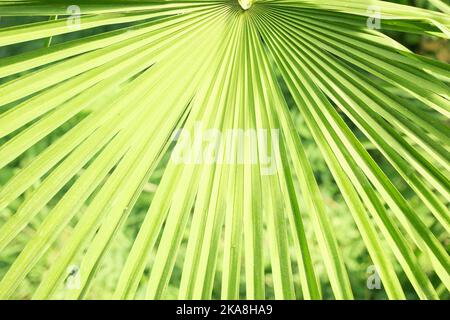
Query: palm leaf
(222, 65)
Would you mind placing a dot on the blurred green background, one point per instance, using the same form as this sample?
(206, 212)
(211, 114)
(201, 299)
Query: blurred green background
(353, 248)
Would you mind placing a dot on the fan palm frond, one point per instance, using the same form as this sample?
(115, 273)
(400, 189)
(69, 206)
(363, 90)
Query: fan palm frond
(158, 67)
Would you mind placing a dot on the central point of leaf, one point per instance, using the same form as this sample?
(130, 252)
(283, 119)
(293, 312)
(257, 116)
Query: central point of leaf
(246, 4)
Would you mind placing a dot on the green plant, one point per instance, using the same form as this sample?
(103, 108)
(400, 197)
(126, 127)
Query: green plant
(170, 65)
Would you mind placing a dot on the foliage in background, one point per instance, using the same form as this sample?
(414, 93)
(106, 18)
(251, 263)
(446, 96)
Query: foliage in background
(46, 78)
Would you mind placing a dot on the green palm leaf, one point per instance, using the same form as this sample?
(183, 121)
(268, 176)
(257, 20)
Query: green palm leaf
(138, 71)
